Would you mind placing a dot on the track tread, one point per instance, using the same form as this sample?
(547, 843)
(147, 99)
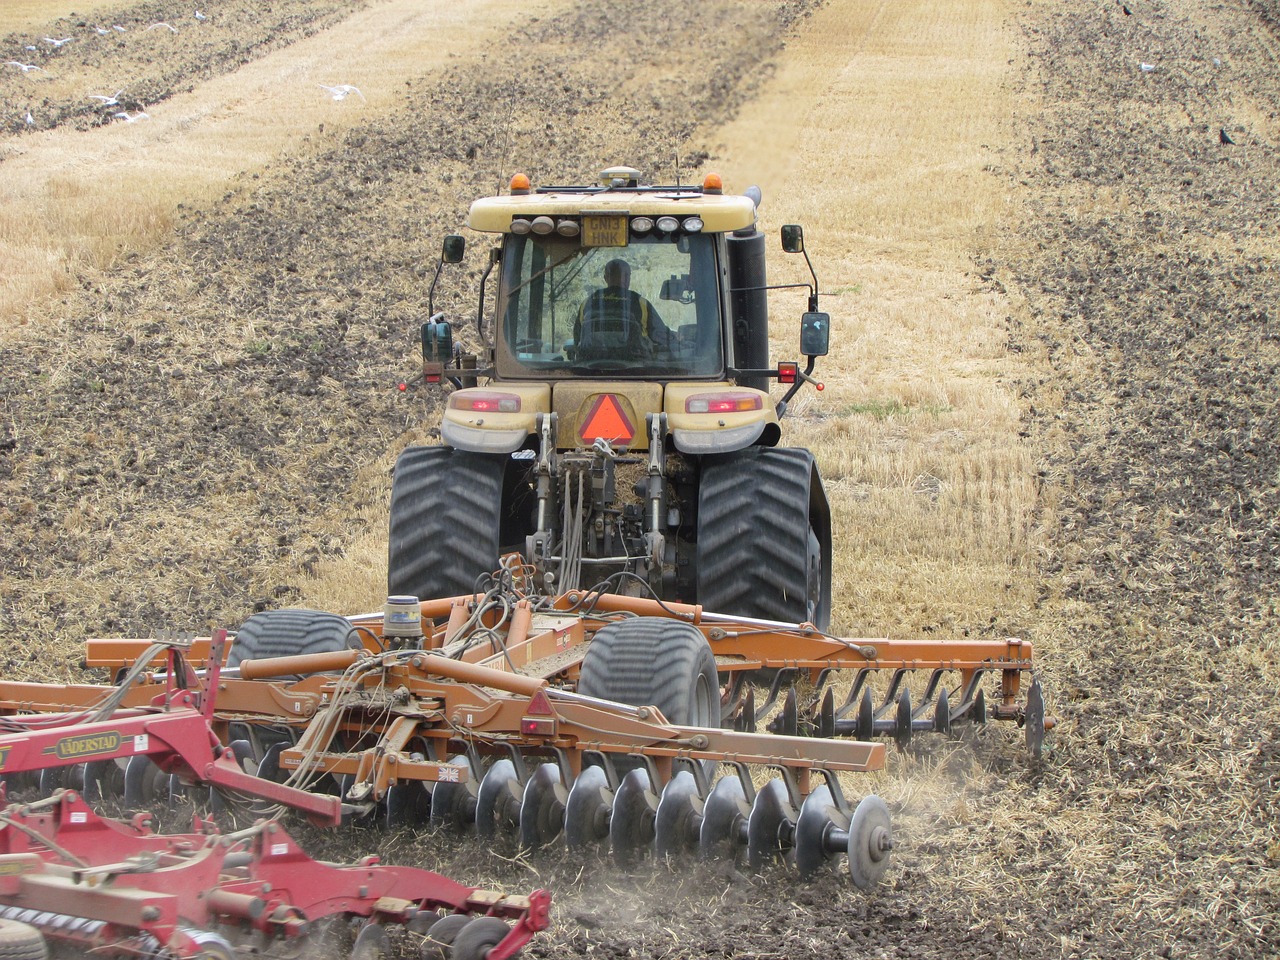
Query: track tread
(446, 512)
(21, 941)
(753, 535)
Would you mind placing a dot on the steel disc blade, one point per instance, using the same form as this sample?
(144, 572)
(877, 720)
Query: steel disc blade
(631, 822)
(269, 767)
(942, 713)
(679, 817)
(1034, 720)
(827, 715)
(452, 802)
(866, 717)
(408, 804)
(902, 728)
(980, 707)
(542, 809)
(724, 820)
(498, 800)
(870, 842)
(769, 813)
(816, 829)
(586, 812)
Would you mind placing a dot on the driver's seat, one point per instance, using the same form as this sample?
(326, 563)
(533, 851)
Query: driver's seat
(609, 328)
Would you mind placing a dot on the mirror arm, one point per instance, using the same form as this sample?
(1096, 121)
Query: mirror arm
(786, 398)
(484, 279)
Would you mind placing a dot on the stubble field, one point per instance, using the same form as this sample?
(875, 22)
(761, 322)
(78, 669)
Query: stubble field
(1050, 411)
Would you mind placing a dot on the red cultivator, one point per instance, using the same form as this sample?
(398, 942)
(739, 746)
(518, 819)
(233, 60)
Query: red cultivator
(118, 889)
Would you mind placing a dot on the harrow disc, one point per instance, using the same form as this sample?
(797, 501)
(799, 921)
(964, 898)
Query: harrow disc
(452, 802)
(408, 804)
(631, 823)
(816, 842)
(724, 820)
(586, 813)
(902, 727)
(942, 713)
(478, 937)
(372, 943)
(542, 810)
(870, 841)
(866, 725)
(498, 800)
(440, 938)
(144, 783)
(103, 779)
(679, 817)
(769, 824)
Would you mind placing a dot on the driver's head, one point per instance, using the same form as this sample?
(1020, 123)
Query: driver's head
(617, 273)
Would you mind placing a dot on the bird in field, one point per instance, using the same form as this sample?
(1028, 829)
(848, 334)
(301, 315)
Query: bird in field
(131, 117)
(167, 26)
(58, 43)
(31, 121)
(24, 67)
(342, 91)
(101, 31)
(110, 101)
(119, 29)
(1224, 138)
(200, 16)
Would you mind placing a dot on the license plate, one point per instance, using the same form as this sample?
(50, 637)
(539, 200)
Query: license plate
(600, 231)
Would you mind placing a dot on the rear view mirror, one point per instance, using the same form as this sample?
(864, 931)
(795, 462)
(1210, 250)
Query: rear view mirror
(793, 238)
(815, 334)
(453, 248)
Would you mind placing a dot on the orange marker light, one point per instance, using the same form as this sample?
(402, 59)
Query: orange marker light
(712, 183)
(520, 184)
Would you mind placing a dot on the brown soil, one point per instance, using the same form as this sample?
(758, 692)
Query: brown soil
(178, 444)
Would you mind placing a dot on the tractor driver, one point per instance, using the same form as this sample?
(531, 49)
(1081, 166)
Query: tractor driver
(615, 320)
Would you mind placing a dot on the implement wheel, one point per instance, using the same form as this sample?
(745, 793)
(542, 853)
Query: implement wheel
(451, 511)
(21, 941)
(652, 661)
(764, 537)
(478, 937)
(286, 633)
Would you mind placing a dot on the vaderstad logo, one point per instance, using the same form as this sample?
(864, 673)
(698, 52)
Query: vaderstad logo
(87, 745)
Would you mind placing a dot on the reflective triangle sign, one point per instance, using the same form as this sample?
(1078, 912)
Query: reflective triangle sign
(607, 421)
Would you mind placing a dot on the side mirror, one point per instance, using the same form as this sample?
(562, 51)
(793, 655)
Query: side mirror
(815, 334)
(437, 348)
(793, 238)
(453, 248)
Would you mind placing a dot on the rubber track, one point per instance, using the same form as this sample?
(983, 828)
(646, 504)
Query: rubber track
(753, 534)
(446, 510)
(285, 633)
(650, 661)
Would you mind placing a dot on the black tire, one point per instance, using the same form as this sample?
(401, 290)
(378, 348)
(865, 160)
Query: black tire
(478, 937)
(21, 941)
(651, 661)
(764, 537)
(286, 633)
(446, 521)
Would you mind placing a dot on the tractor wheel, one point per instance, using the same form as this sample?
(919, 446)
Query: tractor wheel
(764, 537)
(446, 521)
(286, 633)
(21, 941)
(654, 661)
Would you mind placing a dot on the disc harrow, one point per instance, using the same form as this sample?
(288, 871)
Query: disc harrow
(546, 720)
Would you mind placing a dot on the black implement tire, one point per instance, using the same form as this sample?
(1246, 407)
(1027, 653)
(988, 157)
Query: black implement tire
(446, 521)
(651, 661)
(287, 633)
(21, 941)
(764, 537)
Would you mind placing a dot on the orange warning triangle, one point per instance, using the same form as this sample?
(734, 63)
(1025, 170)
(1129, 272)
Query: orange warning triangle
(606, 421)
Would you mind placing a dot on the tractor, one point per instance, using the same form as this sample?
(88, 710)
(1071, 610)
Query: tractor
(616, 426)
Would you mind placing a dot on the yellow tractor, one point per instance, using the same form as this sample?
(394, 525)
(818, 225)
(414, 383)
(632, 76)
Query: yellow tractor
(617, 427)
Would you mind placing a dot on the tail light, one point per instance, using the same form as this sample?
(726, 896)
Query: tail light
(728, 401)
(485, 401)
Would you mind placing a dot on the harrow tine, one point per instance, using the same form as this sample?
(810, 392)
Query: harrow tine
(1034, 720)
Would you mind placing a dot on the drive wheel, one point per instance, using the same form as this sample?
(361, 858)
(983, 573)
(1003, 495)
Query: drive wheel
(446, 521)
(286, 633)
(764, 537)
(654, 661)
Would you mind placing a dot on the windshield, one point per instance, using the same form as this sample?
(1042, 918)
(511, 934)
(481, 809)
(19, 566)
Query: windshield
(650, 308)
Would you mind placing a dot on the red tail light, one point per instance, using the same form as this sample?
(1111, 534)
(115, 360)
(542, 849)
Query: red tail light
(729, 401)
(485, 401)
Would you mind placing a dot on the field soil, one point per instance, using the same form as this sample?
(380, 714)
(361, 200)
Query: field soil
(206, 428)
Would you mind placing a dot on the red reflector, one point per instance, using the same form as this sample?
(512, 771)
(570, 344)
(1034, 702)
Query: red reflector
(607, 421)
(540, 705)
(787, 372)
(537, 727)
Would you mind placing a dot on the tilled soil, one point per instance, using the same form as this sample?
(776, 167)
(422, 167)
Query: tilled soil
(225, 393)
